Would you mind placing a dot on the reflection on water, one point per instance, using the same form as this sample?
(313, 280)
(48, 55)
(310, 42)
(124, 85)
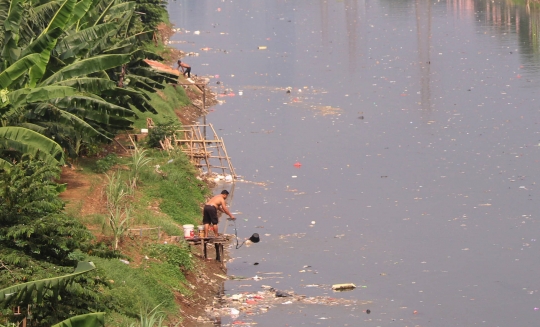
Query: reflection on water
(352, 21)
(427, 200)
(423, 32)
(506, 17)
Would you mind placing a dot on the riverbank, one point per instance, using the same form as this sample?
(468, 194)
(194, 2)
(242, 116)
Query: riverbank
(193, 286)
(151, 259)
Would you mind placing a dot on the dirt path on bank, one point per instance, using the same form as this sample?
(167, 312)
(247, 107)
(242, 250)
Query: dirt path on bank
(84, 192)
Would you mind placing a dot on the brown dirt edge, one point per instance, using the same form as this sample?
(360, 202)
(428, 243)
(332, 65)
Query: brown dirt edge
(206, 284)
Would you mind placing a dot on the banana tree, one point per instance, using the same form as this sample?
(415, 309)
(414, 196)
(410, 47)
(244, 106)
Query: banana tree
(66, 77)
(88, 320)
(24, 140)
(25, 293)
(34, 292)
(45, 108)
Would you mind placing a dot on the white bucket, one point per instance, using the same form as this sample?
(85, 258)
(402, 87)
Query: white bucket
(188, 231)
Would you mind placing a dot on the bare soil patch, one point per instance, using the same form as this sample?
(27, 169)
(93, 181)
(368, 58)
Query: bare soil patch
(83, 191)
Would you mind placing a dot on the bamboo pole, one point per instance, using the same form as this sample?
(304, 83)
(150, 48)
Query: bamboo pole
(231, 168)
(205, 151)
(220, 157)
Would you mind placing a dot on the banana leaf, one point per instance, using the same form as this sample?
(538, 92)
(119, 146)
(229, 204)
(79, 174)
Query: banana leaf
(42, 42)
(11, 31)
(81, 8)
(88, 84)
(152, 55)
(125, 91)
(38, 94)
(144, 105)
(4, 11)
(62, 16)
(61, 116)
(126, 48)
(23, 293)
(96, 8)
(36, 128)
(44, 6)
(76, 42)
(14, 16)
(87, 66)
(102, 45)
(5, 165)
(100, 74)
(138, 101)
(110, 41)
(91, 103)
(104, 11)
(59, 20)
(134, 38)
(120, 10)
(88, 320)
(17, 69)
(29, 142)
(144, 83)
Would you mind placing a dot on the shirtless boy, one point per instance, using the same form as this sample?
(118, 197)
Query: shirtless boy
(210, 212)
(186, 69)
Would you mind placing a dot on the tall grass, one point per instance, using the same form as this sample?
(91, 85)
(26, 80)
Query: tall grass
(150, 317)
(119, 205)
(139, 160)
(179, 191)
(135, 287)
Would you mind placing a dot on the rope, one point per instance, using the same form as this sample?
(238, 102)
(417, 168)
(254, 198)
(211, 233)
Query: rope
(236, 235)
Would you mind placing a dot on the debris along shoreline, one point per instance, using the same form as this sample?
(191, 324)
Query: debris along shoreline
(260, 302)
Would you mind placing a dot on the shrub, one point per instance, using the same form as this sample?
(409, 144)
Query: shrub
(160, 131)
(103, 165)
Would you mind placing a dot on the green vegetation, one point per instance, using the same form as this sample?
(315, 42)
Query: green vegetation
(72, 74)
(154, 11)
(73, 77)
(151, 318)
(119, 196)
(103, 165)
(161, 131)
(38, 289)
(38, 240)
(180, 192)
(166, 101)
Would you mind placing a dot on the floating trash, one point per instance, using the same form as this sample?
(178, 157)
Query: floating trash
(343, 287)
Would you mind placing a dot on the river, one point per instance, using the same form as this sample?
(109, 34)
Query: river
(416, 127)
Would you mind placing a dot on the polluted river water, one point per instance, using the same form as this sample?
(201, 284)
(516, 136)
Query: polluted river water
(414, 129)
